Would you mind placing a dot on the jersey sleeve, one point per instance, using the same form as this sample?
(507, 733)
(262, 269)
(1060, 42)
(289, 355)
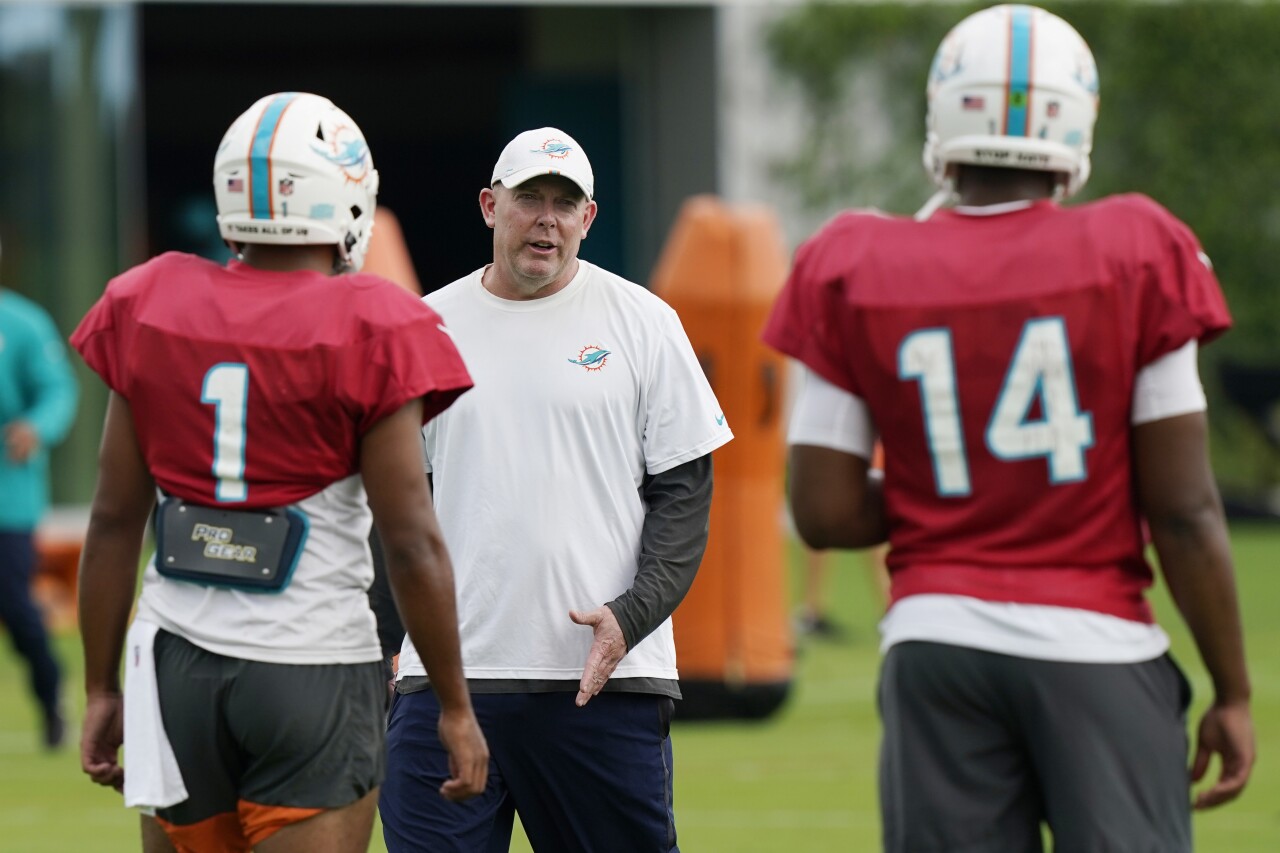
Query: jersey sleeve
(412, 359)
(801, 323)
(1180, 298)
(96, 338)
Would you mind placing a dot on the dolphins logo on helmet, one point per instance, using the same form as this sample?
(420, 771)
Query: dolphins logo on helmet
(348, 152)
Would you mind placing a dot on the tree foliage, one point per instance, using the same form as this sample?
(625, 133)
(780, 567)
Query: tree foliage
(1189, 114)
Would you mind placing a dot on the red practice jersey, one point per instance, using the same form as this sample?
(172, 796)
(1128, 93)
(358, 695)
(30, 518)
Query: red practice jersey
(251, 389)
(997, 355)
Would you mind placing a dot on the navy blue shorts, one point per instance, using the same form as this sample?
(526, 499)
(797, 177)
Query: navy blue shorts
(582, 779)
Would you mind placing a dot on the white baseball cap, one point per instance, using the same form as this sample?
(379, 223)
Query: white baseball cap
(545, 151)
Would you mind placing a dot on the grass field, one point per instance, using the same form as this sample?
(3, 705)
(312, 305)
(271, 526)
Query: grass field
(802, 781)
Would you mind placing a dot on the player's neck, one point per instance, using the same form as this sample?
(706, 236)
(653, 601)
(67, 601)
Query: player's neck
(981, 186)
(288, 258)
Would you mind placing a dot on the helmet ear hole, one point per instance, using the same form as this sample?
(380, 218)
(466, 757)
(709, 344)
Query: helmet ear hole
(320, 132)
(356, 211)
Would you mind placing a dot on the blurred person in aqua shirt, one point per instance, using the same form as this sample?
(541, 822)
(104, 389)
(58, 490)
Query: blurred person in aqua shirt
(38, 396)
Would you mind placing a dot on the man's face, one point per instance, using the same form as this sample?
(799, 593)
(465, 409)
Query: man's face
(537, 228)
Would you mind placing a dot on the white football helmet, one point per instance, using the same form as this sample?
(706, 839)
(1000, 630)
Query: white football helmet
(1012, 86)
(295, 170)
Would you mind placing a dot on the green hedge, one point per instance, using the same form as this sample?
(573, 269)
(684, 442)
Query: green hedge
(1190, 115)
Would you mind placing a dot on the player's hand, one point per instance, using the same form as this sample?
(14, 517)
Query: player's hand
(468, 755)
(607, 650)
(101, 737)
(1225, 729)
(20, 441)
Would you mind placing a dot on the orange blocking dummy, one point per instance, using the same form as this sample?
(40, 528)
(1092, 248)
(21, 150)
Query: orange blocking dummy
(720, 270)
(388, 255)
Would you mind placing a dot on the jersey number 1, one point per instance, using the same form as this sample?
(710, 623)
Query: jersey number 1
(226, 388)
(1039, 371)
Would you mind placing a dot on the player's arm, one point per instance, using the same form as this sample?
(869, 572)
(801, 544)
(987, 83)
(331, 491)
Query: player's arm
(122, 503)
(421, 580)
(835, 498)
(1180, 501)
(50, 390)
(50, 384)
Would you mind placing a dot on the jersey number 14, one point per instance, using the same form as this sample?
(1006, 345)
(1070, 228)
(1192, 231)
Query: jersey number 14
(1040, 371)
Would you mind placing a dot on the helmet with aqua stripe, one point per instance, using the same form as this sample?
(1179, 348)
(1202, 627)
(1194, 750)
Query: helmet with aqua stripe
(295, 170)
(1012, 86)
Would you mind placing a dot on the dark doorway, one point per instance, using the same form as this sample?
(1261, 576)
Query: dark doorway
(437, 92)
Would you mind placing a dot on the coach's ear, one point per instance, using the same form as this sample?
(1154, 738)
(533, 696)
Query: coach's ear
(589, 212)
(488, 204)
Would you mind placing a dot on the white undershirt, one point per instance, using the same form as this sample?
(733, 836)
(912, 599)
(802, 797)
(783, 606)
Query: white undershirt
(825, 415)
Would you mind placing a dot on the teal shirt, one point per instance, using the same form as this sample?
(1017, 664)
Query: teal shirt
(36, 386)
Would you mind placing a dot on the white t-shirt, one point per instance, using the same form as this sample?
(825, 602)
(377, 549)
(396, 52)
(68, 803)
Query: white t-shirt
(537, 470)
(828, 416)
(321, 617)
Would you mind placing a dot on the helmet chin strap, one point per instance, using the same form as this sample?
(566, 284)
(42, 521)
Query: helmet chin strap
(937, 200)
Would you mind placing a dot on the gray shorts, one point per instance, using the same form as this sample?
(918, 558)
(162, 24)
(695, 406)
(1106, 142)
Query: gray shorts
(291, 736)
(980, 749)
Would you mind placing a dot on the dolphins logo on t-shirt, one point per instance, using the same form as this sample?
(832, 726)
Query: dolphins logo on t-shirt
(592, 357)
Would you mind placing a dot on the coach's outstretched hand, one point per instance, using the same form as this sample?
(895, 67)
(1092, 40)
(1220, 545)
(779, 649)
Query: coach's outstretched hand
(1226, 729)
(101, 737)
(607, 650)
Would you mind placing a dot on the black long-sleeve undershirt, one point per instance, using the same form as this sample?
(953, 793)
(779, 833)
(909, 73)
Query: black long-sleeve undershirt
(672, 541)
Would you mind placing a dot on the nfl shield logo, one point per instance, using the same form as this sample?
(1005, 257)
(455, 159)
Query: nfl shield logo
(286, 186)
